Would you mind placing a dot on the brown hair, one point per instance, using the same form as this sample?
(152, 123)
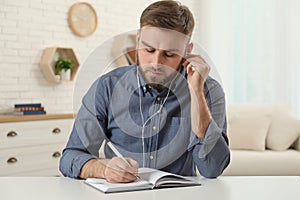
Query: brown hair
(170, 15)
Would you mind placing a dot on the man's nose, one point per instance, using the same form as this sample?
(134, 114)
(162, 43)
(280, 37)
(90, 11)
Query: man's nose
(158, 59)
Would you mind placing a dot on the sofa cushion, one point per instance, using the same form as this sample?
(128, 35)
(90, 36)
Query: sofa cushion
(264, 163)
(248, 132)
(254, 112)
(283, 132)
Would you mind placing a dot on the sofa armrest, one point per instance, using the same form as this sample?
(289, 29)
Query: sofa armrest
(296, 144)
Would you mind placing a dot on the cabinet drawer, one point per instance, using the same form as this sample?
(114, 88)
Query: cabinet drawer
(30, 159)
(34, 133)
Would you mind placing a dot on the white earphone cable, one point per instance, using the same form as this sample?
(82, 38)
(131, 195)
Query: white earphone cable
(141, 112)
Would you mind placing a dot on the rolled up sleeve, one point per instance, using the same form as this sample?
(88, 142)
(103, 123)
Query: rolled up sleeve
(211, 153)
(87, 134)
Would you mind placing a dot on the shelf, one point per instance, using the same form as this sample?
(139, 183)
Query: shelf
(49, 58)
(20, 118)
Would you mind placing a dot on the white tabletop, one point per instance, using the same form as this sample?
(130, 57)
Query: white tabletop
(225, 188)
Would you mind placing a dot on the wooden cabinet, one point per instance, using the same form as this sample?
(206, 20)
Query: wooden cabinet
(33, 148)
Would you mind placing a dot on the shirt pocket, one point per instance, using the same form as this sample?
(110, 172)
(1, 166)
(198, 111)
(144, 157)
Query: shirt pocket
(178, 121)
(176, 133)
(174, 125)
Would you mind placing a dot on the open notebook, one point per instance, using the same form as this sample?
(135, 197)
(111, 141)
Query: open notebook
(150, 179)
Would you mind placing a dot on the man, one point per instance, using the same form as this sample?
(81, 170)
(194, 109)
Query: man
(165, 112)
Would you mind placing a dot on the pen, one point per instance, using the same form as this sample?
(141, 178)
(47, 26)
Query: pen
(118, 154)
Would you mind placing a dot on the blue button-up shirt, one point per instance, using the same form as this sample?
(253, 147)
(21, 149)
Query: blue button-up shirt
(152, 127)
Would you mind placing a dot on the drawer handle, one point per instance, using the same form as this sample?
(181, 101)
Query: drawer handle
(12, 160)
(56, 154)
(56, 131)
(12, 134)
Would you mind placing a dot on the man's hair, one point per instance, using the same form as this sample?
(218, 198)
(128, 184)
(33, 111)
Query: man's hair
(169, 15)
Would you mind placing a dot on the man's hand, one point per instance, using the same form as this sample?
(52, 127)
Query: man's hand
(119, 171)
(197, 70)
(113, 170)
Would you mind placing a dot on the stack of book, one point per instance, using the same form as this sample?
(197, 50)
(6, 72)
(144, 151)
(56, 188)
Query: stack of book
(29, 109)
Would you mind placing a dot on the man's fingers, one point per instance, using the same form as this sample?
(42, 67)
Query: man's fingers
(118, 170)
(134, 166)
(195, 63)
(190, 69)
(113, 175)
(130, 166)
(133, 163)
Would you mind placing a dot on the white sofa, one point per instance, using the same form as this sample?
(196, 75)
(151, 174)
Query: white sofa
(264, 140)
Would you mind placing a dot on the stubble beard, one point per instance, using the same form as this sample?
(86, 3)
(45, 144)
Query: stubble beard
(157, 82)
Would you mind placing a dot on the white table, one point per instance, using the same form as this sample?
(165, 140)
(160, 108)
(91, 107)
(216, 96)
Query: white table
(223, 188)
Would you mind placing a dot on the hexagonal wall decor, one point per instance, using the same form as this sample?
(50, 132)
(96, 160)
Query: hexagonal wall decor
(49, 58)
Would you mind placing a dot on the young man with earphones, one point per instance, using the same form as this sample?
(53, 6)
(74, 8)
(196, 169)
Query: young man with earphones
(164, 112)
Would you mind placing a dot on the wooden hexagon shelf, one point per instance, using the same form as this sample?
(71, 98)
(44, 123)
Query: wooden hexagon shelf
(49, 58)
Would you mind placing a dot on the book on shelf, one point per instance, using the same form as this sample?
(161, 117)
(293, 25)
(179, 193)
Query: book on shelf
(28, 108)
(37, 112)
(28, 105)
(149, 179)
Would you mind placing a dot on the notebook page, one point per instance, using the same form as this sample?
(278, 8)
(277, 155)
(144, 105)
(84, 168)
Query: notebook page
(104, 186)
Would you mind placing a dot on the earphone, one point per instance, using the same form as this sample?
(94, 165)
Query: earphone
(156, 113)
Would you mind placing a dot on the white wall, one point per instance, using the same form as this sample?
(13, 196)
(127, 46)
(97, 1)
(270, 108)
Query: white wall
(28, 27)
(255, 45)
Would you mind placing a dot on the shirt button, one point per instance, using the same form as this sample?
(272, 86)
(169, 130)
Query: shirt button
(158, 99)
(154, 128)
(151, 157)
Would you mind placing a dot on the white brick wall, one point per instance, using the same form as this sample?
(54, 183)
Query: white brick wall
(28, 27)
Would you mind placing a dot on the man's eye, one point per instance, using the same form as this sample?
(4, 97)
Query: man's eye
(169, 54)
(150, 50)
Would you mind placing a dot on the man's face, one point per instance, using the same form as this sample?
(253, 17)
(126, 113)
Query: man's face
(160, 53)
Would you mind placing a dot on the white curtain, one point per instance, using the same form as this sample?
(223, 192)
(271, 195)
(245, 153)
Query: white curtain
(255, 45)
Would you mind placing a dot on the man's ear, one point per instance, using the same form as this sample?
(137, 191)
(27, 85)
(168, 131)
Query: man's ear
(137, 38)
(189, 48)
